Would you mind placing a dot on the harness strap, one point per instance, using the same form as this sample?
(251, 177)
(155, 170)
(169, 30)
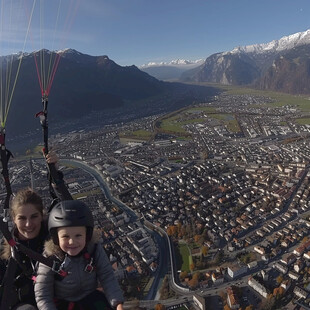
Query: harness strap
(71, 305)
(90, 261)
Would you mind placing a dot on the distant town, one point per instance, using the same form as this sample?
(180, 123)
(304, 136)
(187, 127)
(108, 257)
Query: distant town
(205, 208)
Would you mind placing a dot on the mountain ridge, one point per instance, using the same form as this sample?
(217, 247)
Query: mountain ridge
(86, 85)
(249, 65)
(243, 65)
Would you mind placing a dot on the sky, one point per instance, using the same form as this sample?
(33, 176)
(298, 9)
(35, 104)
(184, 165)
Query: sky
(136, 32)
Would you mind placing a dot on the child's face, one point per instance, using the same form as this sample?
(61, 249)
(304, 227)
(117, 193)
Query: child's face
(72, 240)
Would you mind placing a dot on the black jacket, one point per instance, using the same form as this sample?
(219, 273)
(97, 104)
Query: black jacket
(25, 268)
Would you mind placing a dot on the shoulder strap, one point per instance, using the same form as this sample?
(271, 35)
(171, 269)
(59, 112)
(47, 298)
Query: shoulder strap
(90, 259)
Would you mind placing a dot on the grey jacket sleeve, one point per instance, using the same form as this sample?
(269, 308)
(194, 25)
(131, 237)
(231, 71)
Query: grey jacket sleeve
(107, 278)
(44, 288)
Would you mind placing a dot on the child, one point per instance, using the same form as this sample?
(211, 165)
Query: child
(82, 263)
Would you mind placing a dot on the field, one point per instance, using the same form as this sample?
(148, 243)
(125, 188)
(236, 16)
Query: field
(280, 99)
(137, 135)
(186, 258)
(174, 122)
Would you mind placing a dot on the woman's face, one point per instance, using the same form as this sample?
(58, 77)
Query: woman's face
(28, 221)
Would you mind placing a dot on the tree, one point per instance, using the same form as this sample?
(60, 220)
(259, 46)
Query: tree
(204, 250)
(169, 231)
(268, 303)
(196, 275)
(183, 275)
(172, 230)
(279, 279)
(159, 307)
(281, 291)
(276, 291)
(192, 266)
(197, 238)
(193, 283)
(165, 290)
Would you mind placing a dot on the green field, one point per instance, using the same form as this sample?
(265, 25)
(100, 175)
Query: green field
(202, 109)
(175, 122)
(89, 193)
(303, 121)
(185, 257)
(280, 99)
(228, 119)
(141, 134)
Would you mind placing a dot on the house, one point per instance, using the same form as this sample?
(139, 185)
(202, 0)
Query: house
(217, 278)
(199, 301)
(307, 255)
(260, 250)
(258, 287)
(288, 259)
(302, 248)
(300, 292)
(282, 268)
(294, 275)
(286, 284)
(232, 299)
(299, 265)
(236, 270)
(252, 265)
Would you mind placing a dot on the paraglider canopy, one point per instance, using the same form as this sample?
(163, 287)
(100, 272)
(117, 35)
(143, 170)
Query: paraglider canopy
(14, 30)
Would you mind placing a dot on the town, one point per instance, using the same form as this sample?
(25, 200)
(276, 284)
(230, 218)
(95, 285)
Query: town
(229, 178)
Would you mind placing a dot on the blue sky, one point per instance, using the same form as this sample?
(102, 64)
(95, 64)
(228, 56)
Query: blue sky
(140, 31)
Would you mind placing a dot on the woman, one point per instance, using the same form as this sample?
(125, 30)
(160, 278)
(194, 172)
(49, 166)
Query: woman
(30, 229)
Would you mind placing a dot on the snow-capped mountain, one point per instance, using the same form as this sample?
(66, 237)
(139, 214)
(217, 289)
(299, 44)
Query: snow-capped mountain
(285, 43)
(177, 62)
(278, 65)
(170, 70)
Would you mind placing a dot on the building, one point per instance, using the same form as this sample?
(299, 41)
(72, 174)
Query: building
(236, 270)
(232, 299)
(258, 287)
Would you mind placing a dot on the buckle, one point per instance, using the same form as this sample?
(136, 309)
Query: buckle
(56, 266)
(89, 267)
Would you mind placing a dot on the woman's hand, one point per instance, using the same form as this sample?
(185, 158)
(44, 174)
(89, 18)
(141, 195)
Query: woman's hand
(119, 307)
(51, 157)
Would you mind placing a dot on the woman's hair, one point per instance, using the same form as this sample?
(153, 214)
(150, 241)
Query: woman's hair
(23, 197)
